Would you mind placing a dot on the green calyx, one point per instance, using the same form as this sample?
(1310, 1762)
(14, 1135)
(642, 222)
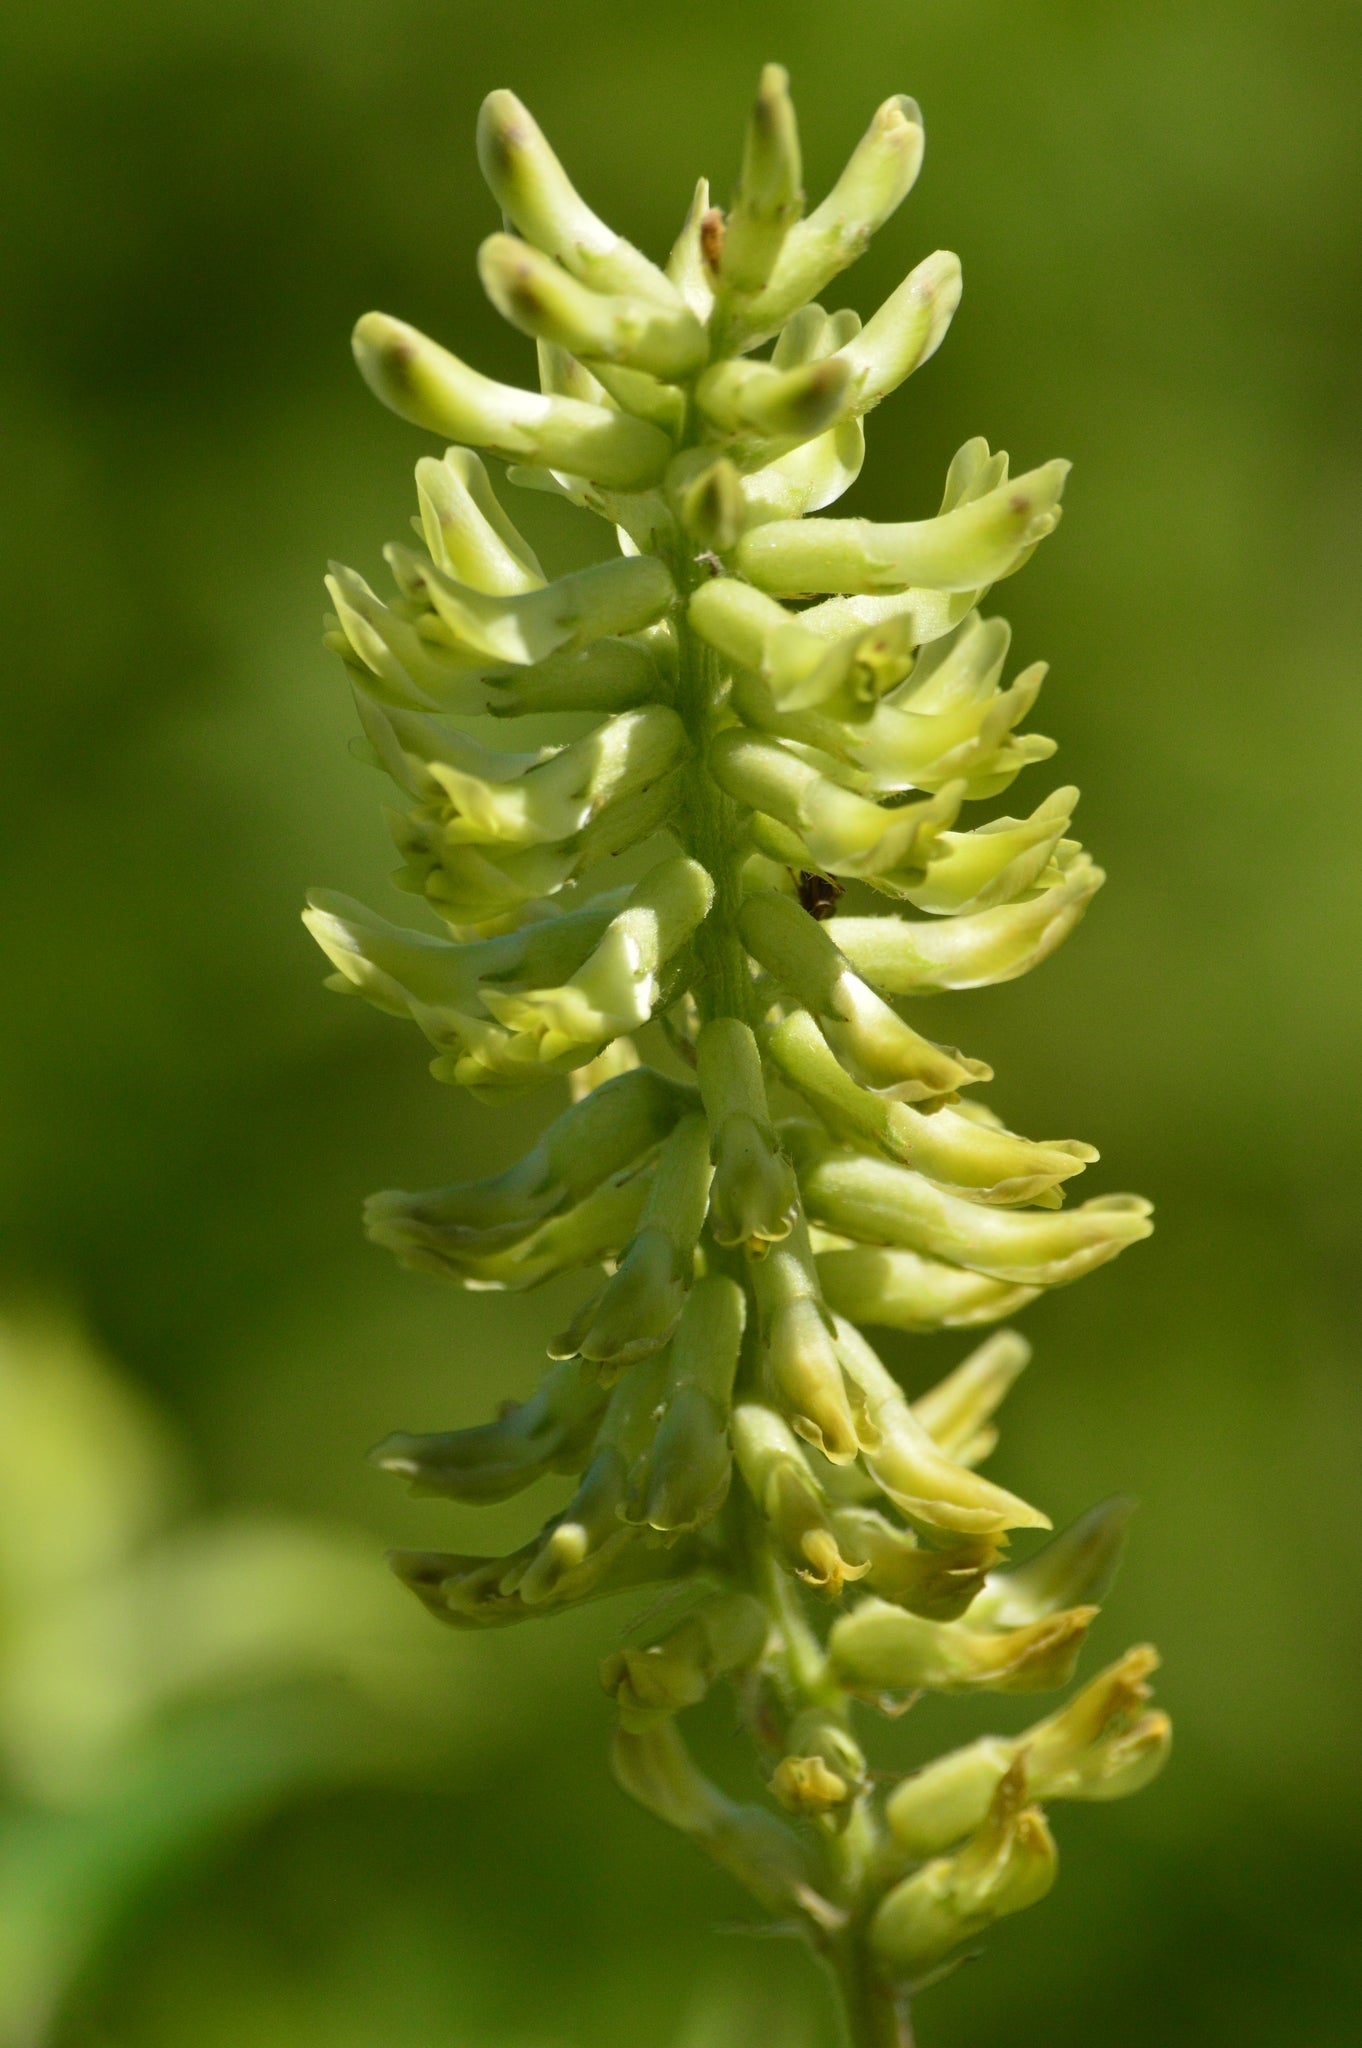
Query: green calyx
(751, 844)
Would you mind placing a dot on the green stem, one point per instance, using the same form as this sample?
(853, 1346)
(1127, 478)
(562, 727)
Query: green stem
(722, 987)
(872, 2017)
(712, 824)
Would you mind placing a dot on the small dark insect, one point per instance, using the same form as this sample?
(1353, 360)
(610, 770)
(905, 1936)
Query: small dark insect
(712, 238)
(819, 894)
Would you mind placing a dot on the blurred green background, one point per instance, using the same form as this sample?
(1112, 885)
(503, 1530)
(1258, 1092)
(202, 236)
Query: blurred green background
(1159, 210)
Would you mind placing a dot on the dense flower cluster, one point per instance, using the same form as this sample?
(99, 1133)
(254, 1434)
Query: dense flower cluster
(772, 710)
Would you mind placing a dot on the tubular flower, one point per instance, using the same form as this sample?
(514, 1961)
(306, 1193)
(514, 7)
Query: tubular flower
(777, 719)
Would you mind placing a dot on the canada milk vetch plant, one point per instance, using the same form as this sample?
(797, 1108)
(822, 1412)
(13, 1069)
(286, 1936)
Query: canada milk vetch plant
(787, 707)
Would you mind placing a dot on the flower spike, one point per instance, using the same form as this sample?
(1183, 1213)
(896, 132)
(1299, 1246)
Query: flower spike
(663, 912)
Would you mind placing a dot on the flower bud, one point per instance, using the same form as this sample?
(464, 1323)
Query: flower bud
(903, 1291)
(474, 886)
(741, 397)
(908, 329)
(888, 748)
(463, 995)
(483, 1592)
(958, 1411)
(952, 1147)
(551, 1432)
(618, 987)
(777, 1476)
(467, 532)
(686, 266)
(1008, 1865)
(638, 1308)
(610, 675)
(395, 663)
(529, 800)
(683, 1478)
(1077, 1565)
(545, 301)
(599, 1137)
(654, 1767)
(877, 178)
(596, 1228)
(836, 831)
(910, 1467)
(648, 1685)
(875, 1044)
(800, 1365)
(801, 669)
(824, 1767)
(878, 1203)
(530, 185)
(712, 507)
(996, 862)
(438, 982)
(806, 478)
(937, 1584)
(770, 194)
(973, 951)
(1102, 1745)
(752, 1200)
(425, 384)
(965, 549)
(620, 596)
(880, 1649)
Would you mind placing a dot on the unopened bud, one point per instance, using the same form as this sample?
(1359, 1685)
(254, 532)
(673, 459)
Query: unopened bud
(937, 1584)
(741, 397)
(545, 301)
(639, 1307)
(777, 1476)
(966, 549)
(1103, 1745)
(975, 950)
(752, 1200)
(530, 185)
(909, 1465)
(799, 1355)
(712, 507)
(770, 195)
(878, 1203)
(880, 1649)
(877, 178)
(1008, 1865)
(880, 1050)
(427, 385)
(683, 1479)
(648, 1685)
(904, 1291)
(551, 1432)
(956, 1149)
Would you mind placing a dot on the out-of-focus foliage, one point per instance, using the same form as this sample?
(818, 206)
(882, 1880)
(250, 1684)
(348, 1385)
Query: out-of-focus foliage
(1159, 213)
(162, 1680)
